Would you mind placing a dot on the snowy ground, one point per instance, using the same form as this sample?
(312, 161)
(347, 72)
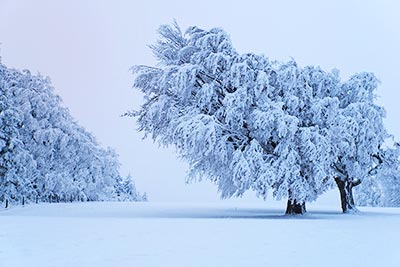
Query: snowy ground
(214, 234)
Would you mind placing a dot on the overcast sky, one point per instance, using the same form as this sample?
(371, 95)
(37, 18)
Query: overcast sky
(87, 48)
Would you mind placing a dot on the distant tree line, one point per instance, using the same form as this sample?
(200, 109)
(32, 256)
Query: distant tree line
(45, 156)
(249, 123)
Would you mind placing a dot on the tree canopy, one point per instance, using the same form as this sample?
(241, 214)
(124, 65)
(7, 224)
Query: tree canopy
(249, 123)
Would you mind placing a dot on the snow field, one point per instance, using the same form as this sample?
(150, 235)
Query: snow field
(210, 234)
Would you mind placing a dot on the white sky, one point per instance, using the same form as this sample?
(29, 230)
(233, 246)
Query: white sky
(87, 48)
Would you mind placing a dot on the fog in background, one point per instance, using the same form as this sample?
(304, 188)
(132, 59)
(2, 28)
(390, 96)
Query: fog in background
(87, 48)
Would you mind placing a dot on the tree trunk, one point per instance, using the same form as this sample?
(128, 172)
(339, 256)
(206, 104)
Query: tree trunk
(23, 201)
(6, 203)
(293, 207)
(37, 199)
(346, 195)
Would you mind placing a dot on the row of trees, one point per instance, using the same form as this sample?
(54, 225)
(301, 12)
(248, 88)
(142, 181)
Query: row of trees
(248, 123)
(44, 154)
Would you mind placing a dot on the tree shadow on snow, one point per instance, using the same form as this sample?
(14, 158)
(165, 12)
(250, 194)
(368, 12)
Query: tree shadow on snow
(177, 211)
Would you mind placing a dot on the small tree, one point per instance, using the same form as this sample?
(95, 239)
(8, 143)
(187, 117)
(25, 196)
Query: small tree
(358, 135)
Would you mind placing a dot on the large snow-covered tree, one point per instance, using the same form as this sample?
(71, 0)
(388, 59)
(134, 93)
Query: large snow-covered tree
(248, 123)
(239, 119)
(44, 154)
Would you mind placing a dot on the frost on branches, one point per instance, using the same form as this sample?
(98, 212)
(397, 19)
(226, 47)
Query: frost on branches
(44, 154)
(382, 186)
(358, 133)
(248, 123)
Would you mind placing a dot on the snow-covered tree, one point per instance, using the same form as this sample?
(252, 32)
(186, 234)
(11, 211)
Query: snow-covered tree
(382, 186)
(239, 119)
(305, 156)
(248, 123)
(358, 134)
(16, 163)
(44, 154)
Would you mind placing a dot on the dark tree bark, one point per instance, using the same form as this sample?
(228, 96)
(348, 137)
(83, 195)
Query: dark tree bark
(6, 203)
(294, 207)
(23, 201)
(346, 194)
